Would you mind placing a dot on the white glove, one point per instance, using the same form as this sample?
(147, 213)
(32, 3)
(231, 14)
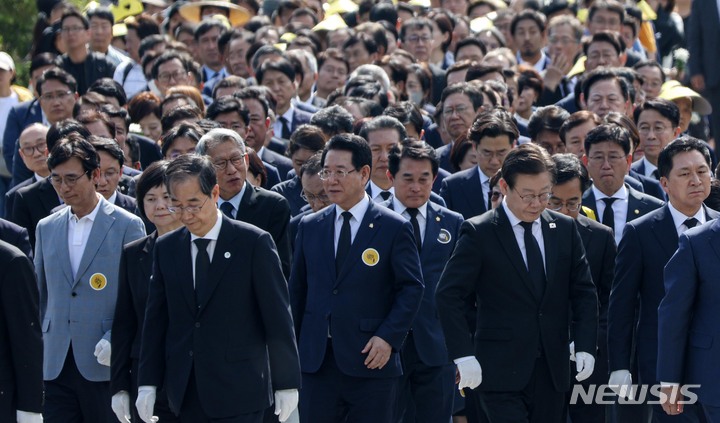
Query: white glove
(146, 403)
(286, 400)
(470, 373)
(102, 352)
(585, 365)
(621, 383)
(28, 417)
(121, 406)
(572, 351)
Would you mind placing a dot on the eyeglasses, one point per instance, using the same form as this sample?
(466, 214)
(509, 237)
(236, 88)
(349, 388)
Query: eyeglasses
(312, 198)
(178, 75)
(338, 174)
(57, 95)
(70, 180)
(556, 205)
(70, 29)
(543, 198)
(657, 129)
(110, 174)
(235, 160)
(189, 209)
(416, 39)
(30, 150)
(459, 110)
(612, 159)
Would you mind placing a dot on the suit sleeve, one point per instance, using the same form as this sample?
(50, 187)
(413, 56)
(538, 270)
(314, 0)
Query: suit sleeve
(408, 282)
(152, 348)
(445, 194)
(20, 172)
(124, 328)
(298, 281)
(272, 298)
(10, 137)
(135, 231)
(39, 261)
(21, 214)
(20, 294)
(455, 290)
(675, 312)
(624, 299)
(583, 298)
(23, 243)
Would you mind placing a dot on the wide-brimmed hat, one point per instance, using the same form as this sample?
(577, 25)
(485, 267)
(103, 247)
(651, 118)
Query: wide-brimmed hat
(672, 90)
(237, 15)
(6, 62)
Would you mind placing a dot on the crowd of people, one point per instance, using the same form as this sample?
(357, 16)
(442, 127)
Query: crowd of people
(437, 211)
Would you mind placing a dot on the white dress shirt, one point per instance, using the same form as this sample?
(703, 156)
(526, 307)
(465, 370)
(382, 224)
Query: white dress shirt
(519, 232)
(400, 208)
(288, 115)
(235, 201)
(620, 209)
(78, 234)
(358, 213)
(649, 168)
(485, 183)
(376, 190)
(212, 235)
(679, 218)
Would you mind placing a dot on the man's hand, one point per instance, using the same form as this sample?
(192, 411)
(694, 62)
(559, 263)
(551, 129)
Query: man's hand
(585, 365)
(470, 373)
(28, 417)
(697, 82)
(670, 398)
(121, 406)
(378, 352)
(146, 403)
(286, 401)
(556, 70)
(621, 383)
(102, 352)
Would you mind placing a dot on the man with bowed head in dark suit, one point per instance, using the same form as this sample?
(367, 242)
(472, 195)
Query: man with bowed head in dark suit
(647, 245)
(525, 267)
(352, 313)
(426, 388)
(218, 333)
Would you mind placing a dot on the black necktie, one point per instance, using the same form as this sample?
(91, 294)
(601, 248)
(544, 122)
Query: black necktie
(691, 223)
(385, 195)
(608, 218)
(343, 248)
(227, 209)
(285, 128)
(416, 227)
(655, 174)
(202, 268)
(535, 264)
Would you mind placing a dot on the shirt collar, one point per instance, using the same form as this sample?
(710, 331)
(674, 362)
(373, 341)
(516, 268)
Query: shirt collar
(235, 201)
(514, 221)
(376, 190)
(400, 208)
(358, 210)
(92, 215)
(213, 234)
(621, 194)
(288, 115)
(483, 177)
(679, 218)
(649, 167)
(112, 198)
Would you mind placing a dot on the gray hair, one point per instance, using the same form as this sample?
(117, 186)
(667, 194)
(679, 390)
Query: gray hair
(216, 137)
(375, 71)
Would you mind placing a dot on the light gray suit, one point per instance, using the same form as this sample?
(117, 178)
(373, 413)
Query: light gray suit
(72, 310)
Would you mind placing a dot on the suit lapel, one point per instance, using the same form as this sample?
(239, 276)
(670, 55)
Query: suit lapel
(365, 234)
(636, 206)
(715, 238)
(184, 271)
(146, 258)
(665, 231)
(100, 228)
(221, 258)
(327, 228)
(551, 244)
(588, 201)
(506, 236)
(432, 230)
(49, 197)
(63, 252)
(474, 194)
(247, 202)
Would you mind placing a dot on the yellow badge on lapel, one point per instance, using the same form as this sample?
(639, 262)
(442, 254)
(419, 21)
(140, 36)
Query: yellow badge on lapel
(98, 281)
(370, 257)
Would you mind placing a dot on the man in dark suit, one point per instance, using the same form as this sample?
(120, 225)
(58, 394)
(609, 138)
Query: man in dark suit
(353, 313)
(648, 243)
(312, 190)
(33, 203)
(658, 123)
(20, 117)
(493, 135)
(32, 147)
(218, 333)
(16, 236)
(382, 133)
(607, 157)
(461, 103)
(703, 37)
(239, 200)
(111, 163)
(21, 346)
(426, 388)
(600, 250)
(523, 323)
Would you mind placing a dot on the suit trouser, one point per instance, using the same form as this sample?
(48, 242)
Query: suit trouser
(330, 396)
(70, 398)
(425, 393)
(192, 410)
(538, 402)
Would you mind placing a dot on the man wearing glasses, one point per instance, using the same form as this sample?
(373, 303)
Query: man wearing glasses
(239, 200)
(77, 267)
(525, 268)
(218, 334)
(600, 250)
(493, 135)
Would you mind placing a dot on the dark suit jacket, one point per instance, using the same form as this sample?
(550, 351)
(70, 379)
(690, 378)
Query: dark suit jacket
(278, 145)
(126, 202)
(33, 203)
(646, 246)
(513, 324)
(237, 336)
(639, 204)
(273, 176)
(282, 163)
(291, 190)
(703, 36)
(149, 150)
(600, 252)
(16, 236)
(19, 118)
(136, 264)
(21, 345)
(270, 212)
(438, 82)
(300, 117)
(462, 192)
(443, 155)
(650, 185)
(377, 291)
(441, 175)
(442, 228)
(10, 195)
(688, 317)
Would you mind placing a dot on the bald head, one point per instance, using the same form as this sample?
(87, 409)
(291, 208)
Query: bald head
(33, 148)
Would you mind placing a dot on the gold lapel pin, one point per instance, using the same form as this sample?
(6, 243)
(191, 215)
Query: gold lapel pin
(437, 218)
(637, 211)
